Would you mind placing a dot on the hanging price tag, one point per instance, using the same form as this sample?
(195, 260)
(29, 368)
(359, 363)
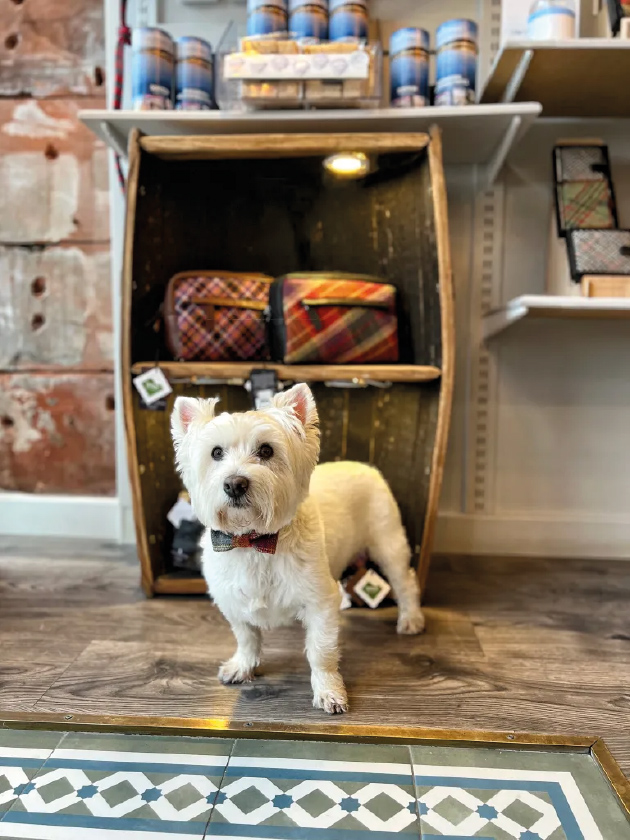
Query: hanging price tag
(152, 385)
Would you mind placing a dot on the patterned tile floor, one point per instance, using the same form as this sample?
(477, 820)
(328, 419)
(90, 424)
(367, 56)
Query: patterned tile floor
(68, 786)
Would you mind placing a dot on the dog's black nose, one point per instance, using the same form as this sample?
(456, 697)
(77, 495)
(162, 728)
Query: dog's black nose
(235, 486)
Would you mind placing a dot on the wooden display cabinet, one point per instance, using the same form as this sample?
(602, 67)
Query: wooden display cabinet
(264, 203)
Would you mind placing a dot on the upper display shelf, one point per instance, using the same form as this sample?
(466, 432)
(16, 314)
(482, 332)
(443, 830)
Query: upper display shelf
(586, 77)
(474, 134)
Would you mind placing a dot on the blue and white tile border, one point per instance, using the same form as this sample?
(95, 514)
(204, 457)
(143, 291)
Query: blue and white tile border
(570, 809)
(310, 775)
(13, 762)
(557, 795)
(306, 768)
(39, 818)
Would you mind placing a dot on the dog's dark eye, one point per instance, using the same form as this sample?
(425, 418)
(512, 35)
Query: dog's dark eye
(265, 452)
(217, 453)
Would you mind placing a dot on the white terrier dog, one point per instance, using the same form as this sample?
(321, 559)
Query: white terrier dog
(281, 531)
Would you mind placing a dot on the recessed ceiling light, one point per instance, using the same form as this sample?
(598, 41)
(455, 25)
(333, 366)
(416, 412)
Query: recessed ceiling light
(347, 165)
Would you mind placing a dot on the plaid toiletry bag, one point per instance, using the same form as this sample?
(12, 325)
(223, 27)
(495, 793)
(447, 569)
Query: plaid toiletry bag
(599, 252)
(217, 316)
(332, 318)
(585, 197)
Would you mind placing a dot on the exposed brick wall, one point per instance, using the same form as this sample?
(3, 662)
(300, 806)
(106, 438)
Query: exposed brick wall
(56, 353)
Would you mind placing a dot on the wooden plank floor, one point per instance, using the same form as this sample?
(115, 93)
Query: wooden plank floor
(512, 644)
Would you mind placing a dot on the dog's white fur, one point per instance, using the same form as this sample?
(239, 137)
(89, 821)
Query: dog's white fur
(324, 515)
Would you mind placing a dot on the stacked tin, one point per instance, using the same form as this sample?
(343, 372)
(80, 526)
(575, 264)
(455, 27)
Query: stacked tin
(308, 19)
(193, 75)
(348, 20)
(409, 63)
(456, 69)
(152, 69)
(264, 17)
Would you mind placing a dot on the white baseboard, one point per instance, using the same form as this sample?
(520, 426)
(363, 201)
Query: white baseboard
(528, 534)
(534, 535)
(84, 517)
(127, 527)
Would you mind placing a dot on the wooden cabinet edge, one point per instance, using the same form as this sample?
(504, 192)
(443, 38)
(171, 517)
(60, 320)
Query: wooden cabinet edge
(448, 351)
(130, 433)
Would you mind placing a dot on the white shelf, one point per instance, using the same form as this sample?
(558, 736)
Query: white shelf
(549, 306)
(476, 134)
(569, 78)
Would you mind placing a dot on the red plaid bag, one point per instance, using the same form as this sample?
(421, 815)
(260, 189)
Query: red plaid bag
(333, 318)
(217, 316)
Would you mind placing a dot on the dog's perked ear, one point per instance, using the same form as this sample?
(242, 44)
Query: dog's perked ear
(300, 400)
(188, 410)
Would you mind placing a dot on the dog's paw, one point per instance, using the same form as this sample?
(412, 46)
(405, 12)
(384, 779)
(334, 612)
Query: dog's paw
(411, 624)
(233, 672)
(332, 702)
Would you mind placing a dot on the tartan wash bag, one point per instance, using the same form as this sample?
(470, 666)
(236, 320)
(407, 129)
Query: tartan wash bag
(330, 318)
(599, 252)
(217, 316)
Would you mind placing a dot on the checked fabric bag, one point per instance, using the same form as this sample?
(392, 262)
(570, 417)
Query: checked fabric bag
(599, 252)
(585, 198)
(333, 318)
(217, 316)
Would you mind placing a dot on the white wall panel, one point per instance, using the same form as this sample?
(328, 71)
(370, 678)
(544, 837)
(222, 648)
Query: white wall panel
(564, 418)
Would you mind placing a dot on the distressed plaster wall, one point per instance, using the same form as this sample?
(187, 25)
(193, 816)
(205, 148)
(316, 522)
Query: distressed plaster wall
(56, 353)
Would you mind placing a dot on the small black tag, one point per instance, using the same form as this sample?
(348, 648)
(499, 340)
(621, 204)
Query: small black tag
(158, 405)
(264, 385)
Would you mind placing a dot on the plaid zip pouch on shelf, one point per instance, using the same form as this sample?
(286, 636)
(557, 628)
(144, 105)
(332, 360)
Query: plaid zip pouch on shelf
(330, 318)
(217, 316)
(581, 163)
(599, 252)
(585, 204)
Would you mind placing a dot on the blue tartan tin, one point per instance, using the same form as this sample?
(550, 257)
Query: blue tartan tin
(309, 19)
(152, 65)
(266, 16)
(348, 20)
(409, 63)
(193, 75)
(456, 64)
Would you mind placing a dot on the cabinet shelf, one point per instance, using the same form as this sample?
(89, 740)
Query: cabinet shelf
(476, 134)
(174, 584)
(549, 306)
(569, 78)
(241, 371)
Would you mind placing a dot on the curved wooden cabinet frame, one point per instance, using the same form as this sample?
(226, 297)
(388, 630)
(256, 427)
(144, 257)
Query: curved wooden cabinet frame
(264, 203)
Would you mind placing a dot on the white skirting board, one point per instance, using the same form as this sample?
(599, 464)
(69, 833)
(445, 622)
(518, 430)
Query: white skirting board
(81, 517)
(526, 534)
(532, 535)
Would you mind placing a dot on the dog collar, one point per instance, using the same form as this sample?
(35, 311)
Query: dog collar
(265, 543)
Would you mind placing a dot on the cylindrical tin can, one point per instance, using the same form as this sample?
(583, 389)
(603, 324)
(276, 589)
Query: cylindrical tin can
(309, 19)
(266, 16)
(409, 63)
(193, 74)
(348, 20)
(456, 66)
(152, 64)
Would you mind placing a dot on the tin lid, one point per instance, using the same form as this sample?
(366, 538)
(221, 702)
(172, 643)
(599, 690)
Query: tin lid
(190, 47)
(350, 6)
(259, 5)
(409, 38)
(150, 37)
(302, 5)
(456, 30)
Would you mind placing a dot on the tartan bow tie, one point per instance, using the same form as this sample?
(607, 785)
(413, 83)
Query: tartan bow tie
(265, 543)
